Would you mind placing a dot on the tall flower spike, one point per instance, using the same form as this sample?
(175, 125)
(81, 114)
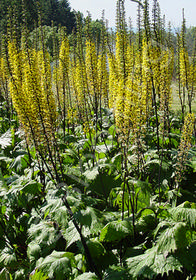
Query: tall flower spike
(31, 94)
(185, 145)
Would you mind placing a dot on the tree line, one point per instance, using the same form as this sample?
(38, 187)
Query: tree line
(56, 11)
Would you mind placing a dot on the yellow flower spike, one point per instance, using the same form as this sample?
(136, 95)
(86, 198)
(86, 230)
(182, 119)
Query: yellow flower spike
(91, 67)
(66, 98)
(103, 78)
(113, 80)
(185, 145)
(91, 61)
(64, 57)
(184, 66)
(30, 88)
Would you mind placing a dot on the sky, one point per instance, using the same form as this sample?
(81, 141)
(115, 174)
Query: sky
(172, 9)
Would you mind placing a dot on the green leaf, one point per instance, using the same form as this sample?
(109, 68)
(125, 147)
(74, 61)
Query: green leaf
(20, 162)
(57, 265)
(186, 258)
(96, 248)
(146, 223)
(45, 235)
(71, 235)
(19, 274)
(33, 251)
(100, 181)
(3, 209)
(133, 251)
(57, 211)
(172, 238)
(32, 188)
(116, 273)
(150, 264)
(92, 174)
(112, 130)
(38, 275)
(142, 192)
(103, 148)
(117, 160)
(5, 275)
(193, 164)
(87, 276)
(116, 231)
(29, 187)
(8, 258)
(91, 218)
(182, 213)
(6, 139)
(108, 259)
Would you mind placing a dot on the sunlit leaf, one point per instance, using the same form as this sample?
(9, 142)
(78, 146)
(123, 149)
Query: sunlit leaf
(116, 231)
(57, 265)
(87, 276)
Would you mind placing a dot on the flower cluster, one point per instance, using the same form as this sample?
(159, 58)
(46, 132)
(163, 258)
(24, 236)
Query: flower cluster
(31, 92)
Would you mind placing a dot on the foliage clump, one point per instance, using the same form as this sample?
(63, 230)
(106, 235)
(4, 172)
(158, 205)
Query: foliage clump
(96, 168)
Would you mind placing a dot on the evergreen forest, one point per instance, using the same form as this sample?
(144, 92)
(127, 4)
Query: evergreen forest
(97, 144)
